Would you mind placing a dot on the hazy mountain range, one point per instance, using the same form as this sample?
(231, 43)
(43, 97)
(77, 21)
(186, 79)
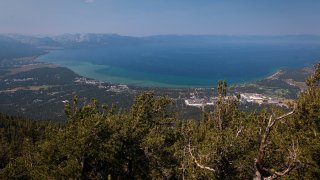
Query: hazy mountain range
(91, 40)
(17, 45)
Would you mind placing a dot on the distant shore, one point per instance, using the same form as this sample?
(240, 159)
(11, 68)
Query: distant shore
(118, 75)
(89, 70)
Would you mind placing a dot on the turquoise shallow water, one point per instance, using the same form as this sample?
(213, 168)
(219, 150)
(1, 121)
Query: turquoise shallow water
(183, 65)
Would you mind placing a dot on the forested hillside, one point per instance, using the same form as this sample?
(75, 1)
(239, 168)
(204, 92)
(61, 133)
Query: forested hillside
(11, 48)
(148, 141)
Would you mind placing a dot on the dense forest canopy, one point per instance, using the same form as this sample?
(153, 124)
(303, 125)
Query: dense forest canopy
(149, 141)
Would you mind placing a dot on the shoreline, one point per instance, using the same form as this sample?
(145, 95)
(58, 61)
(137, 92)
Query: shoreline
(138, 83)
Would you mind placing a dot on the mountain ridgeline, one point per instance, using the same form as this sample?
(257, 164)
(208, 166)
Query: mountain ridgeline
(98, 40)
(148, 141)
(12, 48)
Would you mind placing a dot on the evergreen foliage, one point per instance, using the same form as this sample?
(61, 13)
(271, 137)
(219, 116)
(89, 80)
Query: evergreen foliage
(148, 141)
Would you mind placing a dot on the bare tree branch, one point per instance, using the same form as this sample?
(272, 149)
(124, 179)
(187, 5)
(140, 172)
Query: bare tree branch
(239, 131)
(261, 170)
(285, 115)
(292, 161)
(197, 163)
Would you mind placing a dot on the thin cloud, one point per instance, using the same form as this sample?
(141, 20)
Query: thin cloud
(89, 1)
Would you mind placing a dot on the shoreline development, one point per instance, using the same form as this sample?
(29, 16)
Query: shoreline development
(90, 70)
(46, 83)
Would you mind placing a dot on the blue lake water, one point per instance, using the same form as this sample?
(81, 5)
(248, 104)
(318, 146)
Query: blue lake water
(183, 64)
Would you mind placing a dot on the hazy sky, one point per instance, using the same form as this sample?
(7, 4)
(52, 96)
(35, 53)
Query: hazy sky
(149, 17)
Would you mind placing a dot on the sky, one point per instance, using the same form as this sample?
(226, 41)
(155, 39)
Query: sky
(154, 17)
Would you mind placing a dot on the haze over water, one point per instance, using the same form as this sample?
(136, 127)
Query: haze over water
(184, 64)
(171, 64)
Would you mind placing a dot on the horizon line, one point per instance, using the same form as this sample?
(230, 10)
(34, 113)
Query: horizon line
(171, 34)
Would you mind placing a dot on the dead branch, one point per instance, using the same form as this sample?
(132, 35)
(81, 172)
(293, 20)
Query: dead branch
(261, 170)
(292, 162)
(239, 131)
(197, 163)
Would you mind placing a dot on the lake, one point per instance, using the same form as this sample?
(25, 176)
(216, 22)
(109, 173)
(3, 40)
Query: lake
(184, 64)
